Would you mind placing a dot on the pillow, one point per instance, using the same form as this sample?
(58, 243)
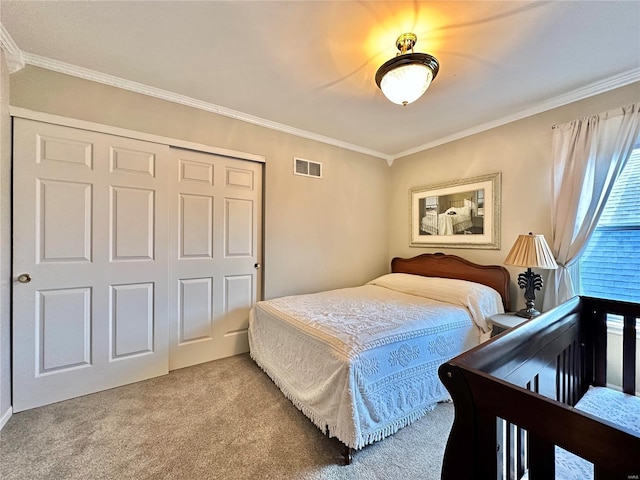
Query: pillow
(480, 300)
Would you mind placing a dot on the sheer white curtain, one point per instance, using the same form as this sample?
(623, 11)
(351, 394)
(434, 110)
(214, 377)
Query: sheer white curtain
(588, 155)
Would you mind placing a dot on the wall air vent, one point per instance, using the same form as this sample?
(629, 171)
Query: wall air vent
(307, 168)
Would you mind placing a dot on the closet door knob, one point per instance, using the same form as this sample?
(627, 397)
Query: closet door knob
(257, 266)
(24, 278)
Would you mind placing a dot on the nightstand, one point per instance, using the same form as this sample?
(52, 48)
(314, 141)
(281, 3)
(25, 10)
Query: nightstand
(504, 321)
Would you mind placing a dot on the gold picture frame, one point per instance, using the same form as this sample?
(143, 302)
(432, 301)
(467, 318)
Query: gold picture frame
(458, 214)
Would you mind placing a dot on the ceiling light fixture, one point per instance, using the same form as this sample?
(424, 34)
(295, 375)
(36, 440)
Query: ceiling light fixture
(406, 77)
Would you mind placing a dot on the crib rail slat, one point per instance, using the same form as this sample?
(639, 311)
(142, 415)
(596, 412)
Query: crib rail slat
(521, 452)
(507, 460)
(600, 341)
(511, 450)
(504, 448)
(487, 436)
(629, 355)
(541, 458)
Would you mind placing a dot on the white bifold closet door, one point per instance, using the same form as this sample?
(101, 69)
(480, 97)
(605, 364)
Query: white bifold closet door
(214, 248)
(90, 262)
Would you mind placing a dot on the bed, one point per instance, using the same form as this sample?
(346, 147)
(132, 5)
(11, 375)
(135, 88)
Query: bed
(542, 400)
(454, 220)
(362, 362)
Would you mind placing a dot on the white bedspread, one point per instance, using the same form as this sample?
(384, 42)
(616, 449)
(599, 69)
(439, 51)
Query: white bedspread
(362, 362)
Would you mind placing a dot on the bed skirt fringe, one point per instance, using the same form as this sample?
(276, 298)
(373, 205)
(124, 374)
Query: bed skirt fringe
(332, 429)
(395, 426)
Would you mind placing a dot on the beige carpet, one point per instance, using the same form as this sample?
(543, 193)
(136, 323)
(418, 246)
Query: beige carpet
(220, 420)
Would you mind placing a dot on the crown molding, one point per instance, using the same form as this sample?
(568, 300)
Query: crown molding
(13, 55)
(23, 58)
(590, 90)
(92, 75)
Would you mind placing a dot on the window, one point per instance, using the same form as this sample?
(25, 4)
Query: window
(610, 265)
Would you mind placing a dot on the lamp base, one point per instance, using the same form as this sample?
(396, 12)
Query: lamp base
(530, 282)
(529, 312)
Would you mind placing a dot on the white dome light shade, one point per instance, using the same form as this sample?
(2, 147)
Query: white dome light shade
(406, 77)
(407, 83)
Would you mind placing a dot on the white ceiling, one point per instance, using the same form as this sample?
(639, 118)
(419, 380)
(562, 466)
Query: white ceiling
(308, 66)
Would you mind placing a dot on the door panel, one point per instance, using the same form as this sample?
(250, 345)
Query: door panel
(132, 223)
(126, 161)
(196, 226)
(63, 223)
(197, 172)
(215, 213)
(131, 319)
(196, 309)
(239, 228)
(238, 293)
(90, 228)
(54, 149)
(67, 310)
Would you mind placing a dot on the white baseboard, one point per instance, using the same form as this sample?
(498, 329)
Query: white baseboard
(5, 418)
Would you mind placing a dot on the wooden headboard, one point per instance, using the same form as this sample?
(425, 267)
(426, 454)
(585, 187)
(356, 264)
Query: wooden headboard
(452, 266)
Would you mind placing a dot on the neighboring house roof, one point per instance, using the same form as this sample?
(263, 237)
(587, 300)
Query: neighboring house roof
(623, 205)
(611, 262)
(610, 266)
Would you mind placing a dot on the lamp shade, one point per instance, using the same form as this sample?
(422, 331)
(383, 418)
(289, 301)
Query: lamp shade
(531, 251)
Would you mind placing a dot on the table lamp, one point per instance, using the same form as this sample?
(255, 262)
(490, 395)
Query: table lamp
(530, 251)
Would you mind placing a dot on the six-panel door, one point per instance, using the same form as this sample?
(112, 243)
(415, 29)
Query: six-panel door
(215, 224)
(91, 223)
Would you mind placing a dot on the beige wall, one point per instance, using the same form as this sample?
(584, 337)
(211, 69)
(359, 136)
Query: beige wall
(521, 150)
(5, 243)
(319, 233)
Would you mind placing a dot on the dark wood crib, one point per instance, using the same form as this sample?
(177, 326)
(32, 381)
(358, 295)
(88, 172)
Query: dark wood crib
(514, 397)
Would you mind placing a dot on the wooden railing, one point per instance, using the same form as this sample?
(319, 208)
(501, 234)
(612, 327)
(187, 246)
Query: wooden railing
(514, 397)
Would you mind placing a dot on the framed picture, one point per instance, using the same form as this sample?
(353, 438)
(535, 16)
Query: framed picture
(460, 214)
